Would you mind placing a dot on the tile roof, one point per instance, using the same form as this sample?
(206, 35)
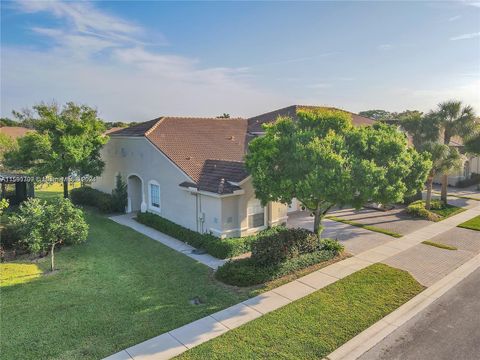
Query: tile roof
(14, 131)
(255, 123)
(210, 150)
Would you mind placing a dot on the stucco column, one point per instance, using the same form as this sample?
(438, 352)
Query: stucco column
(129, 205)
(143, 205)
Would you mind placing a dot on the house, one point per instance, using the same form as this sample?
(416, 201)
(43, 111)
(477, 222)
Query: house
(191, 171)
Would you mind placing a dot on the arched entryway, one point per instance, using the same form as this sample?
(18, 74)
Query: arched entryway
(136, 199)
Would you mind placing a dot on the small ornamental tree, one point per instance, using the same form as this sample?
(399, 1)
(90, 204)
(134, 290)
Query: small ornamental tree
(119, 195)
(42, 226)
(323, 161)
(444, 160)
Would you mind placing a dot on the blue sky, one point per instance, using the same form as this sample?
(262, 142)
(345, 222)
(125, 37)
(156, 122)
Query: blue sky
(138, 60)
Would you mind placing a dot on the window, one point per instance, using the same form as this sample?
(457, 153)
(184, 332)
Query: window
(155, 195)
(255, 214)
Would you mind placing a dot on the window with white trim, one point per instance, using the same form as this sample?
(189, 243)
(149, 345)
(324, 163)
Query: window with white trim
(255, 213)
(155, 196)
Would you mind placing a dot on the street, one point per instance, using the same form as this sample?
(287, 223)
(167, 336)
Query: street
(448, 329)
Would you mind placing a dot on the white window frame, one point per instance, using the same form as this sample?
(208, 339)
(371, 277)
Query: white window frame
(265, 219)
(150, 205)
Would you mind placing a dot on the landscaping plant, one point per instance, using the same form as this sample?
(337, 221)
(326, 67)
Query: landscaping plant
(323, 161)
(42, 226)
(65, 141)
(119, 195)
(444, 160)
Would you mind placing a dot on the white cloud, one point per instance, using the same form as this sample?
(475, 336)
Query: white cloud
(454, 18)
(465, 36)
(320, 86)
(385, 47)
(102, 60)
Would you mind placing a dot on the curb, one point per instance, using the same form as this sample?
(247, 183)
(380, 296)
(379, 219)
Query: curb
(360, 344)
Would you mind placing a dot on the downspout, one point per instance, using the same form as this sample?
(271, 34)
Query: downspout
(196, 211)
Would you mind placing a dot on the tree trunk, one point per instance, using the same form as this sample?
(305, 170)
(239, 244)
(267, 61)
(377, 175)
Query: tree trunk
(317, 222)
(429, 193)
(65, 187)
(443, 196)
(52, 258)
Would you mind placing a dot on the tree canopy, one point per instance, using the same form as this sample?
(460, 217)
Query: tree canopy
(41, 226)
(323, 160)
(66, 141)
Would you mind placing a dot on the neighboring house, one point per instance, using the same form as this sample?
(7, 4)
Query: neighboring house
(191, 171)
(471, 164)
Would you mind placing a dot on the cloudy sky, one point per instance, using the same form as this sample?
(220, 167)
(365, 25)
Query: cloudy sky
(138, 60)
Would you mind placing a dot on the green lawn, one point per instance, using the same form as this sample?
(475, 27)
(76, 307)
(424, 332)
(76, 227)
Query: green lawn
(314, 326)
(116, 290)
(472, 224)
(367, 227)
(448, 211)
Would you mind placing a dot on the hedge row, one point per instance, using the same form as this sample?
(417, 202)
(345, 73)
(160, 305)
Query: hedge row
(220, 248)
(106, 203)
(246, 272)
(474, 179)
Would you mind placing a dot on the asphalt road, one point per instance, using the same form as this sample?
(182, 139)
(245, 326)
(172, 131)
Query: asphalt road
(449, 329)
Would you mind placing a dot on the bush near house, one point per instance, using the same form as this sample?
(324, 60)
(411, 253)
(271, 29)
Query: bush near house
(220, 248)
(91, 197)
(474, 179)
(278, 254)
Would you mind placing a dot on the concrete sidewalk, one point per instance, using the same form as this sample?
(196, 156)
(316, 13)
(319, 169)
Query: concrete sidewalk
(179, 340)
(206, 259)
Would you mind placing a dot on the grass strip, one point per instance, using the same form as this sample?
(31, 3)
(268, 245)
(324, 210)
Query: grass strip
(367, 227)
(472, 224)
(458, 196)
(314, 326)
(438, 245)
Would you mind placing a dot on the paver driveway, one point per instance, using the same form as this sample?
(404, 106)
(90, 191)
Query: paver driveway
(396, 220)
(355, 239)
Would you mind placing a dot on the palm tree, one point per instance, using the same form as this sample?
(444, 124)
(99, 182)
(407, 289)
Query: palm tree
(444, 160)
(454, 119)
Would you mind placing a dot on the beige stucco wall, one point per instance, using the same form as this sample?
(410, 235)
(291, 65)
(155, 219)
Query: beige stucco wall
(453, 178)
(138, 156)
(223, 216)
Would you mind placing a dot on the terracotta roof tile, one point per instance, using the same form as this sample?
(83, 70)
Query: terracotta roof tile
(14, 131)
(255, 123)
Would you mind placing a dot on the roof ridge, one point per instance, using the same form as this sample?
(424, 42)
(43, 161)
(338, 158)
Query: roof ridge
(154, 126)
(202, 118)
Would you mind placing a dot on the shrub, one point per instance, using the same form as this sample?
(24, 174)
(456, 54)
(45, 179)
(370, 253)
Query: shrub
(220, 248)
(85, 195)
(119, 195)
(417, 208)
(246, 272)
(42, 226)
(9, 238)
(284, 244)
(473, 180)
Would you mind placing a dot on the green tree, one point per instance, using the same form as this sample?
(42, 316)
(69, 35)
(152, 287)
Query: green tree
(472, 145)
(444, 160)
(323, 161)
(377, 114)
(224, 116)
(67, 141)
(454, 120)
(8, 122)
(119, 195)
(42, 226)
(7, 144)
